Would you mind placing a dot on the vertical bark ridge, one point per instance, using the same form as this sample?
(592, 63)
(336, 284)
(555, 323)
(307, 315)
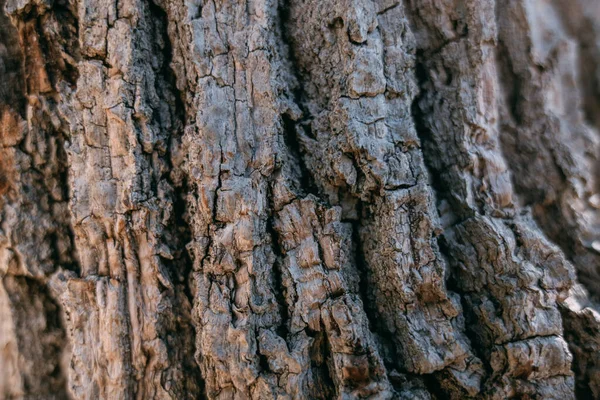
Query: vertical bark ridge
(238, 164)
(35, 233)
(362, 149)
(320, 273)
(301, 354)
(321, 283)
(550, 56)
(493, 246)
(228, 156)
(546, 135)
(127, 313)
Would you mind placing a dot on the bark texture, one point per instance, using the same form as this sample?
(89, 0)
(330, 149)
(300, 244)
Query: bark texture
(299, 199)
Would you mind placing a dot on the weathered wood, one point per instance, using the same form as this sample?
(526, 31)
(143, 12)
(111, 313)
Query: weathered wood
(299, 199)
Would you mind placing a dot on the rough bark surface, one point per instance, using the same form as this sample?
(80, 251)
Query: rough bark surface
(299, 199)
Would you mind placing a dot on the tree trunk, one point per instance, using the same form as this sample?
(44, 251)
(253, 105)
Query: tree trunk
(299, 199)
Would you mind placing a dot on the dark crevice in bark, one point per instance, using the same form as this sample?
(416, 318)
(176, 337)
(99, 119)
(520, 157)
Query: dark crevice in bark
(181, 269)
(12, 85)
(40, 336)
(291, 133)
(363, 268)
(58, 49)
(69, 261)
(179, 233)
(292, 142)
(277, 274)
(435, 180)
(284, 19)
(512, 96)
(477, 343)
(322, 364)
(165, 71)
(292, 129)
(511, 82)
(183, 236)
(581, 335)
(434, 387)
(263, 361)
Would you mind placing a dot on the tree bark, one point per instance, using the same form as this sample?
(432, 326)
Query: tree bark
(299, 199)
